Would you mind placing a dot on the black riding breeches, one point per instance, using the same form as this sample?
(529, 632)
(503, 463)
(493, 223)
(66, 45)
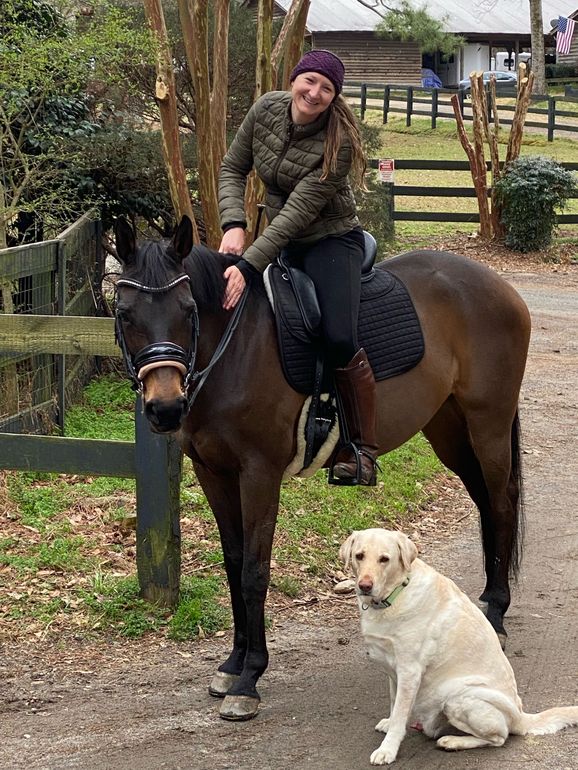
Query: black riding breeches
(334, 265)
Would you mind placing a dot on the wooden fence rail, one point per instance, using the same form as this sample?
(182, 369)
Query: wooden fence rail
(390, 191)
(431, 103)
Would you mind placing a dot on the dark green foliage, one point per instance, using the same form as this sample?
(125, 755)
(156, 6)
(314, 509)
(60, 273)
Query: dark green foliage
(530, 193)
(569, 71)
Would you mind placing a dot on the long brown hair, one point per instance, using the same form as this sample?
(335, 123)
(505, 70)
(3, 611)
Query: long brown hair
(342, 123)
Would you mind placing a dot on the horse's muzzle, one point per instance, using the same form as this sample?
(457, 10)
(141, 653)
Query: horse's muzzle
(166, 416)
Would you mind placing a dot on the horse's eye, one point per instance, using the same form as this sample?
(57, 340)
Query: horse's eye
(384, 559)
(359, 556)
(123, 315)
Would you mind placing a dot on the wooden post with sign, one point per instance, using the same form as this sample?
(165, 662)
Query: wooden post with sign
(386, 174)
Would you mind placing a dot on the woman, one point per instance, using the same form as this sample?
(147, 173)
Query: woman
(303, 145)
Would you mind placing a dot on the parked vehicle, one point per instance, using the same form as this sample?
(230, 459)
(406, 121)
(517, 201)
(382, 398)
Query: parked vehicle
(429, 79)
(504, 80)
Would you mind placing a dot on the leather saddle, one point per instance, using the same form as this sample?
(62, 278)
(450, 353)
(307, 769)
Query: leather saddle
(388, 329)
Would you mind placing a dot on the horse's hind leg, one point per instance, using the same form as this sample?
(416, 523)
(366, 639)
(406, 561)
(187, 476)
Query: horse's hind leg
(494, 437)
(483, 464)
(224, 498)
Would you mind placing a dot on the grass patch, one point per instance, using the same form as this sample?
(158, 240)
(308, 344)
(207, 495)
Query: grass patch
(420, 142)
(116, 607)
(314, 517)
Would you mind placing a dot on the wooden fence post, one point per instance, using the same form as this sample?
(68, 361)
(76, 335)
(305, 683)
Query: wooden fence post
(409, 106)
(434, 107)
(551, 117)
(158, 461)
(363, 103)
(386, 94)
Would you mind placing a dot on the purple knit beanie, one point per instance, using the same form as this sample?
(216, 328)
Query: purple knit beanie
(323, 62)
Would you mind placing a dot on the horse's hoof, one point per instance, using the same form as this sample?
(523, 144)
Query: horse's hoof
(239, 708)
(221, 683)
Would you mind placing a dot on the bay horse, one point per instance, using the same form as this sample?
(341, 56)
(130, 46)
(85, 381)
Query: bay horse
(237, 420)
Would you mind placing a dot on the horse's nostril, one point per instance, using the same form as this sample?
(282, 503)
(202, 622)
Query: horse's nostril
(166, 416)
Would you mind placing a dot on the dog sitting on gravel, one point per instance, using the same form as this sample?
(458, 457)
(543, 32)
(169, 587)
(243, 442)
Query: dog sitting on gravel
(446, 669)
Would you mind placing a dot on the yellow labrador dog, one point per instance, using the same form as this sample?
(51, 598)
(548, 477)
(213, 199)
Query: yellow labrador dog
(446, 668)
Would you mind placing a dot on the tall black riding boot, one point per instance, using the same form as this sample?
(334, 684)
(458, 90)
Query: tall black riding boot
(355, 385)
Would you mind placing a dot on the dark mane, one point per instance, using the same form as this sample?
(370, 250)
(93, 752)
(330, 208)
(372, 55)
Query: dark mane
(154, 264)
(206, 268)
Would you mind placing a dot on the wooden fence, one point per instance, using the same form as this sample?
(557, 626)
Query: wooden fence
(153, 460)
(435, 104)
(390, 191)
(59, 276)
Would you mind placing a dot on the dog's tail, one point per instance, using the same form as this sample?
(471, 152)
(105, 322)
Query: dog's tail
(549, 721)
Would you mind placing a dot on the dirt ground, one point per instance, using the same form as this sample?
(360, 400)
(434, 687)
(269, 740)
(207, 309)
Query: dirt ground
(143, 706)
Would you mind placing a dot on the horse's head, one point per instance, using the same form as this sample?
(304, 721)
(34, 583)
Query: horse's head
(156, 322)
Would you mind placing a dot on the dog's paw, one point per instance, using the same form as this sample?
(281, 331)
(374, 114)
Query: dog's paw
(383, 726)
(383, 756)
(449, 743)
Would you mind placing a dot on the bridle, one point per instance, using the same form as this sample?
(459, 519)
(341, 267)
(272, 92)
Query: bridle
(168, 353)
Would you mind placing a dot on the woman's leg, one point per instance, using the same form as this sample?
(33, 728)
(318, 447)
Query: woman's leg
(334, 265)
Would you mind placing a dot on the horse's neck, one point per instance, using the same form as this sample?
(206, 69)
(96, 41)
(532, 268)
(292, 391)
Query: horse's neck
(255, 319)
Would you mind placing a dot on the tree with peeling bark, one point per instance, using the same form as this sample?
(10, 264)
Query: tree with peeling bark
(287, 50)
(538, 57)
(204, 27)
(490, 218)
(165, 92)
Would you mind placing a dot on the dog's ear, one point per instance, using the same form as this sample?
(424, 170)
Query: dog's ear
(346, 551)
(407, 551)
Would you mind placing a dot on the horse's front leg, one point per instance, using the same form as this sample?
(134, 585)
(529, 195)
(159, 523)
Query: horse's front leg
(260, 502)
(223, 495)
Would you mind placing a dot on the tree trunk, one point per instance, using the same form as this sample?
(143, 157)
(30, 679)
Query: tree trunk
(538, 58)
(166, 96)
(194, 17)
(294, 48)
(289, 43)
(525, 87)
(475, 152)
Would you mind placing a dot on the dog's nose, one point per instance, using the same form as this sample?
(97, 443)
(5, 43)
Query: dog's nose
(365, 584)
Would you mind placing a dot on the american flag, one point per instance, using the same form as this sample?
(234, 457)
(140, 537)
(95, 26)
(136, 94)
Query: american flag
(564, 36)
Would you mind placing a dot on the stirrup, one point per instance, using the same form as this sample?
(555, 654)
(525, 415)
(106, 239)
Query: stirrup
(357, 480)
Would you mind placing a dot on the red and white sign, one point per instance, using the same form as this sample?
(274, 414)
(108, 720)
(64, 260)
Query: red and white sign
(386, 168)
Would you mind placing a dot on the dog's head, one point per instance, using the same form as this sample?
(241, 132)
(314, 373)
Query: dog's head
(380, 560)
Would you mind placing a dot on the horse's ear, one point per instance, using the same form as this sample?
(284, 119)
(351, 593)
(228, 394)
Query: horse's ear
(125, 241)
(183, 237)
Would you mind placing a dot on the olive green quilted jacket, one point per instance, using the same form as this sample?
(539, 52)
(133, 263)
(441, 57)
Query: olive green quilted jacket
(288, 158)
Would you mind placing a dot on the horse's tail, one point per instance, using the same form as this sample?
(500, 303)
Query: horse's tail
(517, 497)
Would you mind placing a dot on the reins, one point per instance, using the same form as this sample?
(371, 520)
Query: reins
(168, 353)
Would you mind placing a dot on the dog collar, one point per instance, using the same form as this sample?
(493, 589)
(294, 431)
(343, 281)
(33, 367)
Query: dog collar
(389, 600)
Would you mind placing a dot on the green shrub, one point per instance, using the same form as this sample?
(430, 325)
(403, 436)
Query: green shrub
(530, 192)
(561, 71)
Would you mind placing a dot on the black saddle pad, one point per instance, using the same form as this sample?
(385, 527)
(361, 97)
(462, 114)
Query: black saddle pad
(389, 329)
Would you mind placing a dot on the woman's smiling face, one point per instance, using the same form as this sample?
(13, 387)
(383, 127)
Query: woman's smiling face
(312, 94)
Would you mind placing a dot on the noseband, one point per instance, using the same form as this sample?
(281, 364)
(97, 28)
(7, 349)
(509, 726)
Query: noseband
(168, 353)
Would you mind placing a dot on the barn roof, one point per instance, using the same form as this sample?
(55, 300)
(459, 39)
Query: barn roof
(463, 16)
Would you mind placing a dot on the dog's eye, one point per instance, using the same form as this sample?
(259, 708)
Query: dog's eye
(384, 559)
(359, 556)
